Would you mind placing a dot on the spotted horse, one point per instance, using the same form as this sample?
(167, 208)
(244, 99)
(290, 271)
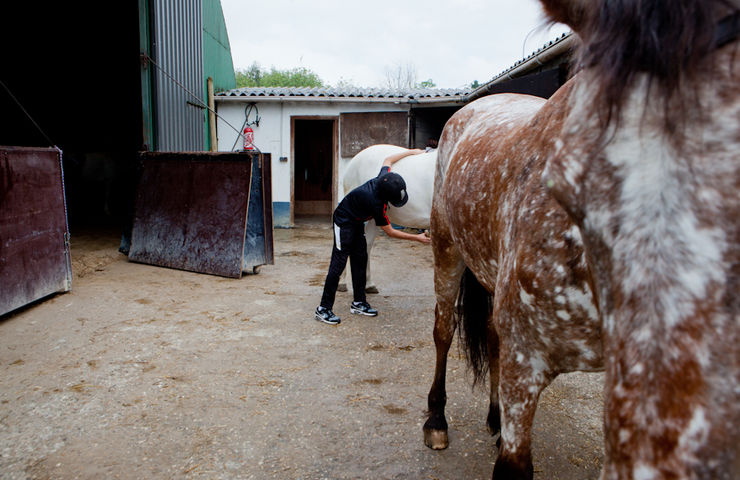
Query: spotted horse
(509, 267)
(639, 150)
(648, 166)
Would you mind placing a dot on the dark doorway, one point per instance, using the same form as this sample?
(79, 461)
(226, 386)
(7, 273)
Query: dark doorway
(313, 147)
(428, 123)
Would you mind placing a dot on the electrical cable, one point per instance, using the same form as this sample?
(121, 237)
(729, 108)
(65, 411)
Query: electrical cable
(28, 115)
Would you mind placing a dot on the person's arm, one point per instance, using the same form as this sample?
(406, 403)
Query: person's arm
(419, 237)
(390, 160)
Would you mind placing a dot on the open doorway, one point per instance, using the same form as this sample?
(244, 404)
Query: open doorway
(314, 173)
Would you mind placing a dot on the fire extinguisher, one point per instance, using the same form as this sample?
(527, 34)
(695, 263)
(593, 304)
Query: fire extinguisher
(248, 138)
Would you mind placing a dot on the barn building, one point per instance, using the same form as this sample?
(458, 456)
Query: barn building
(312, 133)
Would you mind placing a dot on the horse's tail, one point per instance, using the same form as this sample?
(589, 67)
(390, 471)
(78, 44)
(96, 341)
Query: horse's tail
(474, 307)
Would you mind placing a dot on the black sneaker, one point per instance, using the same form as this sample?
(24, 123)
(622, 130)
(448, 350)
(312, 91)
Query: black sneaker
(363, 308)
(325, 315)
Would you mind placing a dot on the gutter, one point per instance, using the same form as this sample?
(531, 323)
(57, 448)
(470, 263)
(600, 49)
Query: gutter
(561, 46)
(394, 100)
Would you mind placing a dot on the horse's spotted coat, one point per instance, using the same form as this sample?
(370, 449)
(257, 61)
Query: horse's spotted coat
(492, 214)
(660, 215)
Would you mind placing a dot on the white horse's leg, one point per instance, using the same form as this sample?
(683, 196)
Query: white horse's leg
(371, 231)
(342, 287)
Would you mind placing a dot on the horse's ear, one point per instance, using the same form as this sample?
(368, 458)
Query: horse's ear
(569, 12)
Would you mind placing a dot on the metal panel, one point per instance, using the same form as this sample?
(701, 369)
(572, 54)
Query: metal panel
(258, 239)
(178, 49)
(191, 211)
(34, 247)
(360, 130)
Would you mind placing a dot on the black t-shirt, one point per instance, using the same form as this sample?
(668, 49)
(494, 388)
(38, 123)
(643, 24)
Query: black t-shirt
(362, 204)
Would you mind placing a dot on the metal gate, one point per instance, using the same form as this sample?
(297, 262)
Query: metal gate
(204, 212)
(34, 237)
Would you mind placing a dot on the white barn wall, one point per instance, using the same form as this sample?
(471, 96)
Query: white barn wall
(273, 135)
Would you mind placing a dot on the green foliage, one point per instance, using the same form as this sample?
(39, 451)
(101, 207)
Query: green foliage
(429, 83)
(256, 76)
(475, 84)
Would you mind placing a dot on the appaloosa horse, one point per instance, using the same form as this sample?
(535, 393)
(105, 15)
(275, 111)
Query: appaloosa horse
(648, 166)
(641, 152)
(494, 224)
(418, 173)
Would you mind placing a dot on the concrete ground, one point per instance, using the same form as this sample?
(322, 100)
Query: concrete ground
(146, 372)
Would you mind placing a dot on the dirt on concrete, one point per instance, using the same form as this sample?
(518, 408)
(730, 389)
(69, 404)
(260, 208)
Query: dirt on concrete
(147, 372)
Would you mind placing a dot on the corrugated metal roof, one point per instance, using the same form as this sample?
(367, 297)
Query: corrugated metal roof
(561, 46)
(352, 92)
(565, 37)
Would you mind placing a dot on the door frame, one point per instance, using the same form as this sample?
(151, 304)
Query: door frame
(334, 162)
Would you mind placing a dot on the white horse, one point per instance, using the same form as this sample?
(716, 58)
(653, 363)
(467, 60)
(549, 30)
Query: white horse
(418, 173)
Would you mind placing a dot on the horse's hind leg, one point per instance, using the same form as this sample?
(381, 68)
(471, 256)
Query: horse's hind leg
(519, 389)
(448, 269)
(494, 415)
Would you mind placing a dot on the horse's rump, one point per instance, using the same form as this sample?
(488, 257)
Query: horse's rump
(510, 232)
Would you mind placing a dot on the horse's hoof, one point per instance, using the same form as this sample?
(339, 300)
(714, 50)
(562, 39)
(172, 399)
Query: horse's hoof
(372, 289)
(342, 287)
(436, 439)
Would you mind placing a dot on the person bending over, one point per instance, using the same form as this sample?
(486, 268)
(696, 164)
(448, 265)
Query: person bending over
(368, 201)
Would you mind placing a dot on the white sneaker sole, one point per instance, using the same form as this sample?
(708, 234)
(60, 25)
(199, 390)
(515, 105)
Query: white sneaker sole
(328, 322)
(360, 312)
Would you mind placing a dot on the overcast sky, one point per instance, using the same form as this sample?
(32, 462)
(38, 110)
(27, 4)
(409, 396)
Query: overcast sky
(452, 42)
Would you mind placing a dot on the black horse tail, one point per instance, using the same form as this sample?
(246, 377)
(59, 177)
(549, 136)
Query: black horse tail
(474, 307)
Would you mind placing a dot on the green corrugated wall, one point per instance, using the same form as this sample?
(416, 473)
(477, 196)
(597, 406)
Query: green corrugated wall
(217, 62)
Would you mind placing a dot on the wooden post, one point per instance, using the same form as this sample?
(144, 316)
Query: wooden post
(212, 116)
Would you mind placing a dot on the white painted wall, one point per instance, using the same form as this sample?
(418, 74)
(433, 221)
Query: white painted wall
(273, 134)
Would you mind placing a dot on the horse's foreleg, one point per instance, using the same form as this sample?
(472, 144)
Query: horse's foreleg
(519, 389)
(371, 231)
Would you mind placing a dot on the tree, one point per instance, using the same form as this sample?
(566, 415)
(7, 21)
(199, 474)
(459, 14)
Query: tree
(401, 76)
(475, 84)
(256, 76)
(345, 84)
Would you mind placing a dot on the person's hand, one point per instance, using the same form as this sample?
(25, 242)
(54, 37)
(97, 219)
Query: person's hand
(423, 238)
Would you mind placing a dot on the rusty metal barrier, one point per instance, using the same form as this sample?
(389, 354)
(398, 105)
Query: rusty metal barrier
(206, 212)
(34, 236)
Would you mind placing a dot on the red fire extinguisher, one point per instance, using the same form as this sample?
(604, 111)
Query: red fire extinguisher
(248, 138)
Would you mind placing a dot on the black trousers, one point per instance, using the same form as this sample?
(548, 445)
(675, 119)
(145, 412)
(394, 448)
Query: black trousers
(349, 242)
